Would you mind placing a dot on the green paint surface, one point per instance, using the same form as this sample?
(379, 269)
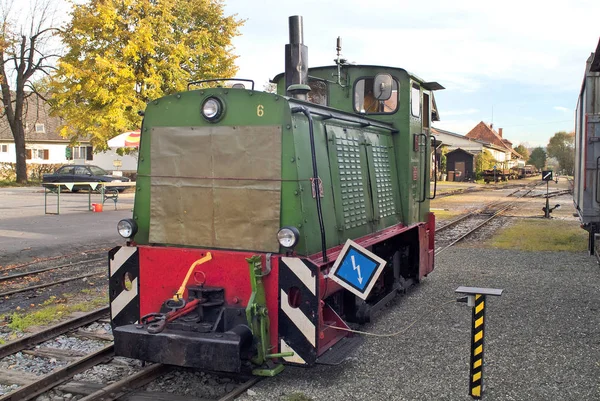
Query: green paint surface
(372, 177)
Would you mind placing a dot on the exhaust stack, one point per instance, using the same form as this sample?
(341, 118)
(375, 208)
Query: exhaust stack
(296, 61)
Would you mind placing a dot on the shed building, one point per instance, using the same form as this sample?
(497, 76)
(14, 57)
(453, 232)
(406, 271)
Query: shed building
(462, 163)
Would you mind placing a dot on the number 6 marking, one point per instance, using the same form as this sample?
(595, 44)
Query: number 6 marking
(260, 110)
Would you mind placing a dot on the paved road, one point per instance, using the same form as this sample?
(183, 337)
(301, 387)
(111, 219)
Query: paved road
(27, 232)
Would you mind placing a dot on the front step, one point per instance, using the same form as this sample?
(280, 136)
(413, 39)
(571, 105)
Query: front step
(341, 351)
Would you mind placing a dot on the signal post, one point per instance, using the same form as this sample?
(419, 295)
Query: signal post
(476, 300)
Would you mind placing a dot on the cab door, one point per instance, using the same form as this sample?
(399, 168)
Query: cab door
(424, 155)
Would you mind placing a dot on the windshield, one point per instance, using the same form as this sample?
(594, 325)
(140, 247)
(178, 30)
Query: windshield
(97, 171)
(365, 102)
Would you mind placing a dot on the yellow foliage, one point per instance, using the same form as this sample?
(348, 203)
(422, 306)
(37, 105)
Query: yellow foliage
(124, 53)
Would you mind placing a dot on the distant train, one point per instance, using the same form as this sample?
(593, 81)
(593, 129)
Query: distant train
(526, 171)
(509, 174)
(237, 254)
(586, 186)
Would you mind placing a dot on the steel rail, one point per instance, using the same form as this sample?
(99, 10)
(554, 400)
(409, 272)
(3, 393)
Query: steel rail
(33, 262)
(36, 287)
(240, 389)
(464, 216)
(55, 378)
(45, 269)
(51, 332)
(474, 229)
(498, 212)
(120, 388)
(491, 204)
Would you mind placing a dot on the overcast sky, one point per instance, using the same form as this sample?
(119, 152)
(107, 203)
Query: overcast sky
(518, 64)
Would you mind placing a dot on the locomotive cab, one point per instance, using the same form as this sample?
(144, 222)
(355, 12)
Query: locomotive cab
(249, 205)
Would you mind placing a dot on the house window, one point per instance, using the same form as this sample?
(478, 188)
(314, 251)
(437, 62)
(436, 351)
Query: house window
(79, 152)
(37, 154)
(415, 100)
(40, 128)
(83, 152)
(4, 148)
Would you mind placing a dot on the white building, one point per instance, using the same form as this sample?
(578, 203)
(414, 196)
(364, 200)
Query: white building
(475, 146)
(44, 145)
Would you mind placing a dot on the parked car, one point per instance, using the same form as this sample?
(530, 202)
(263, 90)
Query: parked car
(83, 173)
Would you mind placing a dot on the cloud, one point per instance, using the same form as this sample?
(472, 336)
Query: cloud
(563, 109)
(461, 127)
(460, 112)
(460, 43)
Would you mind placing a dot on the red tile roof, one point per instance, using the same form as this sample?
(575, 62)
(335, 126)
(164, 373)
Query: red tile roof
(484, 132)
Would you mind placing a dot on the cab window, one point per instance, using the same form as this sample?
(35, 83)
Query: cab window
(365, 102)
(415, 100)
(318, 91)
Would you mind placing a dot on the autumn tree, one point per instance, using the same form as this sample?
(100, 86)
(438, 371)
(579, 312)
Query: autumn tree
(562, 147)
(122, 54)
(538, 158)
(522, 150)
(484, 161)
(25, 55)
(270, 87)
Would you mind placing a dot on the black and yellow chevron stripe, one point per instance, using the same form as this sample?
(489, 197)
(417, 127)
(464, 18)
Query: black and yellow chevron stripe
(477, 333)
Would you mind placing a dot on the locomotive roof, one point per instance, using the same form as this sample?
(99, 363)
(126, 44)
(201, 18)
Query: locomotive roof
(358, 66)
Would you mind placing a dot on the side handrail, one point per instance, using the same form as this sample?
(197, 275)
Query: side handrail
(597, 179)
(219, 79)
(435, 168)
(425, 182)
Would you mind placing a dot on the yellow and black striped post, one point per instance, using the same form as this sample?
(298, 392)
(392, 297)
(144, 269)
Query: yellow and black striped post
(476, 300)
(477, 334)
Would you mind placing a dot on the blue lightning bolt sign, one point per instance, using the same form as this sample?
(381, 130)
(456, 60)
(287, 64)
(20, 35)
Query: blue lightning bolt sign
(357, 269)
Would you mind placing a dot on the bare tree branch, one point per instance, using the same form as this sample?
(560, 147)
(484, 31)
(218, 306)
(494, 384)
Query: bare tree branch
(36, 92)
(22, 55)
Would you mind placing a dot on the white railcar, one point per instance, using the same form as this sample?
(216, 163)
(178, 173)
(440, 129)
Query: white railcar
(586, 189)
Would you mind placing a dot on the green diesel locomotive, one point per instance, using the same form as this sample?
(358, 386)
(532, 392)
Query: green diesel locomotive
(265, 222)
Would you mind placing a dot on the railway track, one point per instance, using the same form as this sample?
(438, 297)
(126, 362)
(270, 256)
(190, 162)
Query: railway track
(5, 270)
(50, 272)
(30, 388)
(467, 224)
(61, 270)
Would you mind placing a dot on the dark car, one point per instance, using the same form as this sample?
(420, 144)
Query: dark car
(83, 173)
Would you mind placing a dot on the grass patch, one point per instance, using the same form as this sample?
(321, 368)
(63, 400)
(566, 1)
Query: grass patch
(445, 214)
(541, 235)
(52, 310)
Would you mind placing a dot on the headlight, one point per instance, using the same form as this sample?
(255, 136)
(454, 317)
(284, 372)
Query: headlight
(212, 109)
(127, 228)
(288, 237)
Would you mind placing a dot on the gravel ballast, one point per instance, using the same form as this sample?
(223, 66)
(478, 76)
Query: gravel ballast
(542, 339)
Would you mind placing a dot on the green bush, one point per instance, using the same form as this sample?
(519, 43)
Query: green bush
(35, 171)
